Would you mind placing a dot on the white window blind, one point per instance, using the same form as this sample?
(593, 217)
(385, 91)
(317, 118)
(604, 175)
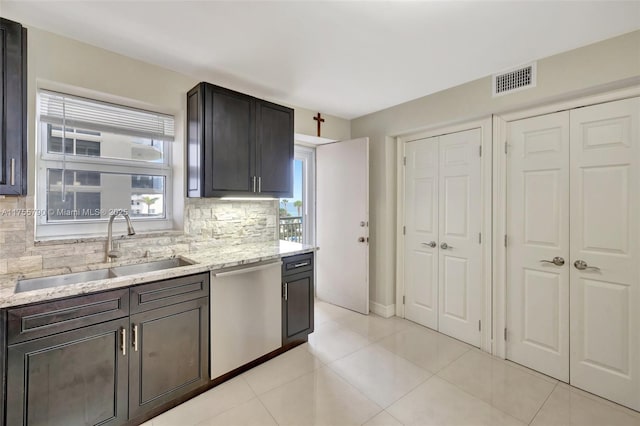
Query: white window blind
(73, 111)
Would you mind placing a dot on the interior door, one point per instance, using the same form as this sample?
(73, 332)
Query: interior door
(343, 224)
(460, 223)
(605, 250)
(421, 233)
(538, 244)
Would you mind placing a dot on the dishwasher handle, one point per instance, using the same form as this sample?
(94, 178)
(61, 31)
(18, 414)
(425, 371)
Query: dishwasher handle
(247, 270)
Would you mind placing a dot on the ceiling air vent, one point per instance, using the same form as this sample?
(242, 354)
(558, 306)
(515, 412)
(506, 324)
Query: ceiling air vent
(514, 80)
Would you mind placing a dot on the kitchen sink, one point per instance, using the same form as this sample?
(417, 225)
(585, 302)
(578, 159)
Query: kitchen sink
(99, 274)
(65, 279)
(140, 268)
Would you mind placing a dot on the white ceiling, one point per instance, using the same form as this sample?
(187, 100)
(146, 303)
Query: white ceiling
(342, 58)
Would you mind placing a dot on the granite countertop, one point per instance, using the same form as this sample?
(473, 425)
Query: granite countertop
(203, 259)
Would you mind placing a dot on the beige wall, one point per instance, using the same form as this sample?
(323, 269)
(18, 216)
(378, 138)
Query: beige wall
(610, 63)
(332, 128)
(63, 64)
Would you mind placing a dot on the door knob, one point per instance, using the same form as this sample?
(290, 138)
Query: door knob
(431, 244)
(583, 266)
(558, 261)
(445, 246)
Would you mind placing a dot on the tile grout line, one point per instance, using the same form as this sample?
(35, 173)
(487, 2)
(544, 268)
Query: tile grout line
(542, 405)
(267, 408)
(478, 398)
(372, 417)
(288, 381)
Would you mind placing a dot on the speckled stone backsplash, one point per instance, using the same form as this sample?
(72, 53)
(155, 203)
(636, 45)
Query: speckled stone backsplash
(207, 222)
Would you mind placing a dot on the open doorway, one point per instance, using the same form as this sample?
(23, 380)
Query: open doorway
(297, 214)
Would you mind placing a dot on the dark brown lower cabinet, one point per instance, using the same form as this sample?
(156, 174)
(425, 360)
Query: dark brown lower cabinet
(170, 355)
(297, 298)
(94, 360)
(78, 377)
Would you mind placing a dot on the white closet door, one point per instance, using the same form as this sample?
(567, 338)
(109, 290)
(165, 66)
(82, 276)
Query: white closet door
(460, 271)
(538, 231)
(421, 221)
(605, 233)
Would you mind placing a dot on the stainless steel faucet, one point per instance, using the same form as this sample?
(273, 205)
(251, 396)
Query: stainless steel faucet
(111, 253)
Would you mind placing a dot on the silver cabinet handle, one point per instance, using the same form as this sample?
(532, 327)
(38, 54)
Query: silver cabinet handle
(298, 265)
(259, 183)
(583, 266)
(135, 338)
(558, 261)
(123, 341)
(12, 178)
(286, 291)
(253, 179)
(431, 244)
(445, 246)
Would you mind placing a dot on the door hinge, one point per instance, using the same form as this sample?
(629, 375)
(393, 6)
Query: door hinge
(479, 237)
(505, 333)
(403, 300)
(404, 161)
(505, 147)
(404, 230)
(505, 240)
(480, 150)
(479, 325)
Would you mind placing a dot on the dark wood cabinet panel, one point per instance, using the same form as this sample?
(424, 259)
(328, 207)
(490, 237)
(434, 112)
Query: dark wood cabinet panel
(13, 108)
(230, 129)
(77, 377)
(170, 354)
(297, 298)
(85, 360)
(158, 294)
(298, 263)
(44, 319)
(237, 144)
(274, 142)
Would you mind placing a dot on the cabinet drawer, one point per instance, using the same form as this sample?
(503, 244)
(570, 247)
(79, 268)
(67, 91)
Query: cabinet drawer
(168, 292)
(297, 264)
(44, 319)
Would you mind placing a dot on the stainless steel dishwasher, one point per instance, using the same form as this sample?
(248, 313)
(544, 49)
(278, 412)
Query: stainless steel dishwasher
(246, 315)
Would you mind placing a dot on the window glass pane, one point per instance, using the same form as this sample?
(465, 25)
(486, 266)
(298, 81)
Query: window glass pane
(94, 195)
(89, 148)
(89, 143)
(73, 177)
(59, 209)
(291, 209)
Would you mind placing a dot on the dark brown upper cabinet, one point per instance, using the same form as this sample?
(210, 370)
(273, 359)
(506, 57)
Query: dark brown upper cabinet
(13, 108)
(237, 145)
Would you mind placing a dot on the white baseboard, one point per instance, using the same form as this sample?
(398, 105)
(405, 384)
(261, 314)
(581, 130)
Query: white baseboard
(384, 311)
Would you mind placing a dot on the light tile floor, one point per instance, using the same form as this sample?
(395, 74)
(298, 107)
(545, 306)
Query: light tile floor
(367, 370)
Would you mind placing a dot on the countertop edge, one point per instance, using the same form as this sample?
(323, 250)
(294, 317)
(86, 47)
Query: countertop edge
(11, 299)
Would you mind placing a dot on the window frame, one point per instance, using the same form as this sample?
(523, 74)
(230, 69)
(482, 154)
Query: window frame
(87, 227)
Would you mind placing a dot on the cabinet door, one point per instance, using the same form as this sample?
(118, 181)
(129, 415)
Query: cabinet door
(228, 138)
(13, 148)
(274, 144)
(74, 378)
(169, 354)
(297, 307)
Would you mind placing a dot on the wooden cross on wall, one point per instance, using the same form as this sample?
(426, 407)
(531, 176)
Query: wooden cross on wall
(320, 120)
